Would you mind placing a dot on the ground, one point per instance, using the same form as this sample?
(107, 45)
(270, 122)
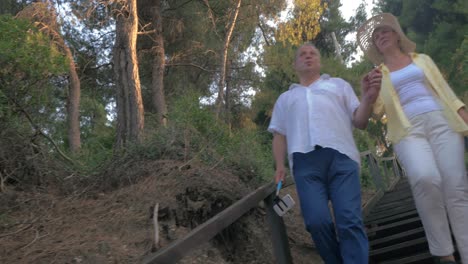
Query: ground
(116, 226)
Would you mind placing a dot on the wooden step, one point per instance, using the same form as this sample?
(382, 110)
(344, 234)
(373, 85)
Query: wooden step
(387, 199)
(395, 224)
(386, 213)
(426, 256)
(393, 217)
(391, 205)
(407, 244)
(403, 234)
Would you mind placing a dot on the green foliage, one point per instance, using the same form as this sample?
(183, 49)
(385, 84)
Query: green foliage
(30, 65)
(97, 135)
(458, 73)
(304, 24)
(279, 76)
(194, 135)
(439, 28)
(366, 178)
(332, 22)
(27, 53)
(11, 7)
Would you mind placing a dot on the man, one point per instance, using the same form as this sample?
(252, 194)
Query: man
(313, 123)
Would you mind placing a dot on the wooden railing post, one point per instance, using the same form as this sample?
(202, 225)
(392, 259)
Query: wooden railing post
(375, 171)
(397, 168)
(279, 237)
(386, 170)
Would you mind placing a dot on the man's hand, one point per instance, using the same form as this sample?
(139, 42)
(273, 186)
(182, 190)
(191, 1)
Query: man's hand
(370, 85)
(463, 114)
(280, 173)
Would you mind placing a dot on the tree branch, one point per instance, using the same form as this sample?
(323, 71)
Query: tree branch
(39, 131)
(264, 34)
(191, 65)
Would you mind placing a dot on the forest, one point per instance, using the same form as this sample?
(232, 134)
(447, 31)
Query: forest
(110, 107)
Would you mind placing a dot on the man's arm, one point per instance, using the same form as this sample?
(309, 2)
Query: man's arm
(279, 154)
(370, 91)
(362, 114)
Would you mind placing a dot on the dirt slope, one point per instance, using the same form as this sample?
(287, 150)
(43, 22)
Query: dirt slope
(116, 226)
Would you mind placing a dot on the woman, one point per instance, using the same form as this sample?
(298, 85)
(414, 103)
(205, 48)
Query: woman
(426, 123)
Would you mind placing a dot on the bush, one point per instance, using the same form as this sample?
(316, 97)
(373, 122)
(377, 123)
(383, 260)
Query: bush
(195, 135)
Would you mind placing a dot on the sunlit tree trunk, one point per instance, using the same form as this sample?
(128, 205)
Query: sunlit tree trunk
(159, 61)
(224, 55)
(228, 114)
(130, 118)
(44, 16)
(73, 104)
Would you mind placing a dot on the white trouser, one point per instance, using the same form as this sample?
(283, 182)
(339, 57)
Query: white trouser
(433, 158)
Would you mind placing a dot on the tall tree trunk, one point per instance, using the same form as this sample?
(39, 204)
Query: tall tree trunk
(73, 104)
(130, 118)
(228, 114)
(159, 100)
(44, 16)
(224, 55)
(337, 48)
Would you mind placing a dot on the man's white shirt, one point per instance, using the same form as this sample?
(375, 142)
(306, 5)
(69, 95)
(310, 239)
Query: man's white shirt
(320, 114)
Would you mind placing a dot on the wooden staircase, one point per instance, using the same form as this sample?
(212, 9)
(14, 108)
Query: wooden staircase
(395, 231)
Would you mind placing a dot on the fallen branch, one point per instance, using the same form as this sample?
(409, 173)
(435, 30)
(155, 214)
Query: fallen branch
(156, 226)
(16, 232)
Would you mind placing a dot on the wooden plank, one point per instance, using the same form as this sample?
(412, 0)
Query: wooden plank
(393, 217)
(391, 205)
(413, 242)
(404, 233)
(403, 199)
(395, 183)
(372, 203)
(418, 257)
(206, 231)
(279, 237)
(399, 188)
(395, 224)
(387, 199)
(389, 213)
(377, 210)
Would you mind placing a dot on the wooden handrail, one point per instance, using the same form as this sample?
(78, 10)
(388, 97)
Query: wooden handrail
(377, 177)
(266, 193)
(206, 231)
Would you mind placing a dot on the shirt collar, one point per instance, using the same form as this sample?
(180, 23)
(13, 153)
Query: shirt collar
(322, 77)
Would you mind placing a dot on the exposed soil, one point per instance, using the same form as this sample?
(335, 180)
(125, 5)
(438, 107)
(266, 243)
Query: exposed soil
(117, 226)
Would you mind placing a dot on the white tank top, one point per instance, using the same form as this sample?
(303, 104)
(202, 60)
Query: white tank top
(415, 96)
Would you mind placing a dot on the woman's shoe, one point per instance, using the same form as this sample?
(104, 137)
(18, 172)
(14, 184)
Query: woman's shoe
(440, 261)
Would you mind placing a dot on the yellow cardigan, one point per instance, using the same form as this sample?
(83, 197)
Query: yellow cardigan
(388, 102)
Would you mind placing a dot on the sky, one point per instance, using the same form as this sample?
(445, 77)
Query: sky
(348, 7)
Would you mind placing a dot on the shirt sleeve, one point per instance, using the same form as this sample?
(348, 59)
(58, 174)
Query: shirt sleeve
(352, 102)
(278, 117)
(451, 96)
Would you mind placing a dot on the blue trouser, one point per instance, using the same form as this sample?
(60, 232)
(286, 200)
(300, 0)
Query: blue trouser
(322, 175)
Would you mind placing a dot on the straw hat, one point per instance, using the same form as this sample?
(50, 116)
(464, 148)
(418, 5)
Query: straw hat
(364, 36)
